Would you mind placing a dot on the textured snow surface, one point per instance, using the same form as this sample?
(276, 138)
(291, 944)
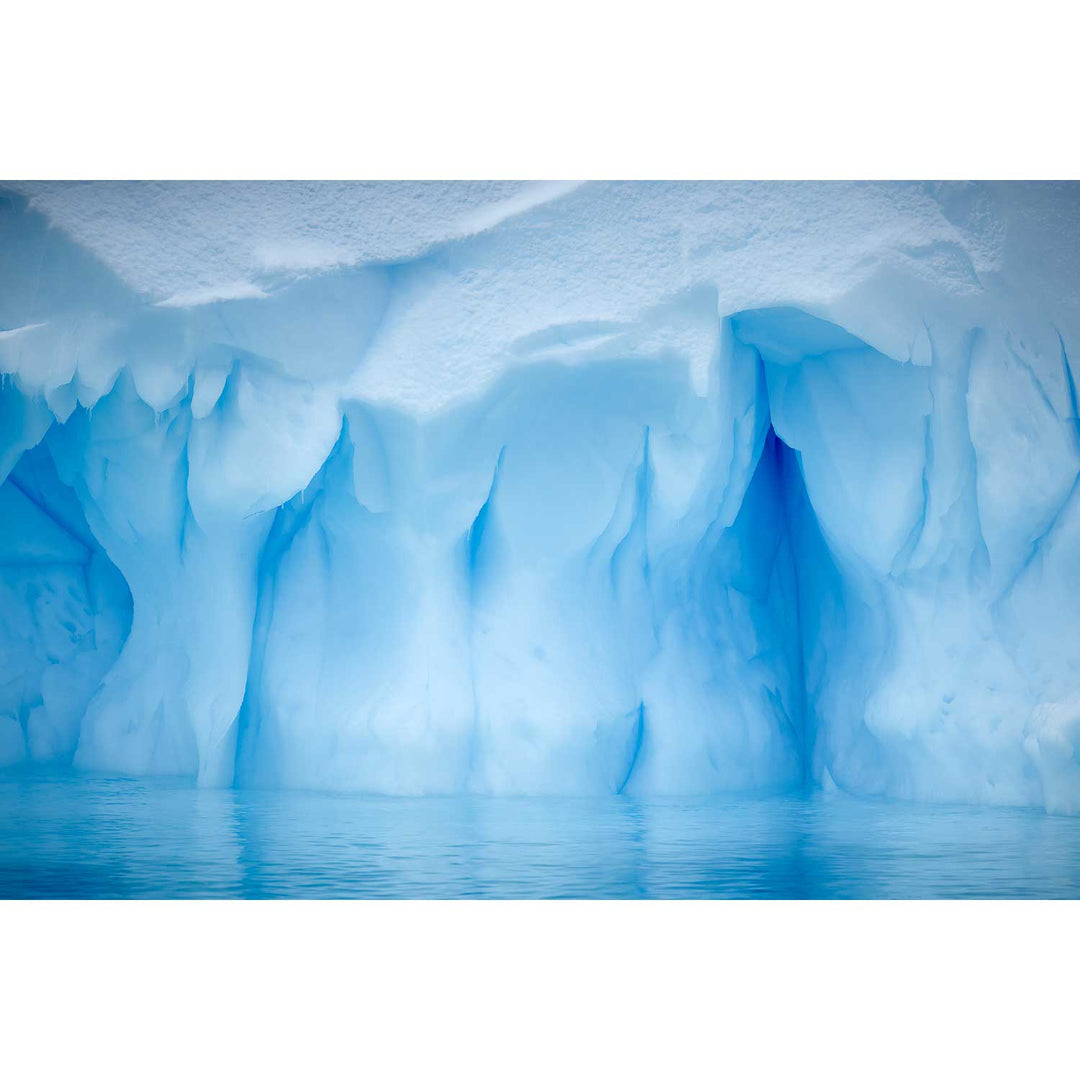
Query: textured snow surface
(553, 487)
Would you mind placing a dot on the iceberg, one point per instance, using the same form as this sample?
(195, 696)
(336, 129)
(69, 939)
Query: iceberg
(644, 488)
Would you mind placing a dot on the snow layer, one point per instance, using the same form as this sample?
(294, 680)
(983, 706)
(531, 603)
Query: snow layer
(655, 488)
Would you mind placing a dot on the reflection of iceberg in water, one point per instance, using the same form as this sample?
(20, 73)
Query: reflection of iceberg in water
(528, 500)
(151, 838)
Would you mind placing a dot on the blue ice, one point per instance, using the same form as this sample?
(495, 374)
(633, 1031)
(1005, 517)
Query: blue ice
(553, 489)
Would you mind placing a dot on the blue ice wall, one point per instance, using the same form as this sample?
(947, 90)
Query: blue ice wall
(65, 612)
(617, 488)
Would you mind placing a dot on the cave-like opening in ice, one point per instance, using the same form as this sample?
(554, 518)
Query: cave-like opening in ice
(65, 611)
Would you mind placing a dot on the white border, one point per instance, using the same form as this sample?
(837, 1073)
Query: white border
(500, 989)
(223, 89)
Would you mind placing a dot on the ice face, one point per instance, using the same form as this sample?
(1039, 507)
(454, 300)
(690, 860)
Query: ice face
(544, 488)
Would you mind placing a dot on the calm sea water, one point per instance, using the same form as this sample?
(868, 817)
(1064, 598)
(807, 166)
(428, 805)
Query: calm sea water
(70, 836)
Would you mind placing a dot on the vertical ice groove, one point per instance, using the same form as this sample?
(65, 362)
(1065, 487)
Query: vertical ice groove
(635, 752)
(1070, 384)
(791, 485)
(475, 536)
